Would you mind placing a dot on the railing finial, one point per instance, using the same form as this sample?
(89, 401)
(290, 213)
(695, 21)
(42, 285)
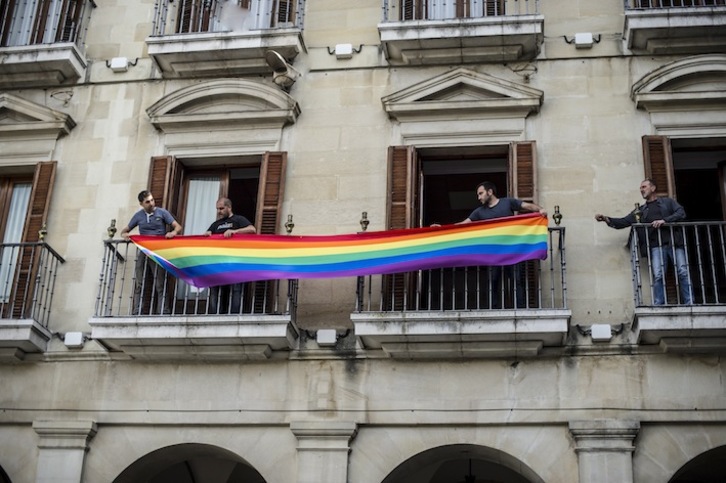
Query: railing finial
(111, 230)
(289, 225)
(364, 221)
(42, 232)
(557, 216)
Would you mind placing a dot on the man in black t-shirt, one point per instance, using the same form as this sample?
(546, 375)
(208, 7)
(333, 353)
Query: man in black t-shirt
(227, 298)
(494, 207)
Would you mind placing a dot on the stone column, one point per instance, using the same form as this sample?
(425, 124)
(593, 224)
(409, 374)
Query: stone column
(322, 450)
(605, 449)
(63, 446)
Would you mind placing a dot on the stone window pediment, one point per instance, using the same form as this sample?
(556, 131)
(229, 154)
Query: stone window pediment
(228, 103)
(463, 93)
(692, 82)
(19, 116)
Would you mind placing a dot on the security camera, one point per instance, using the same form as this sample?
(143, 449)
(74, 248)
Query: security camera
(283, 74)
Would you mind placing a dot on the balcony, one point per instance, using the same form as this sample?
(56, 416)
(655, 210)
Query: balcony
(675, 26)
(467, 312)
(27, 281)
(41, 42)
(672, 323)
(426, 32)
(203, 38)
(145, 313)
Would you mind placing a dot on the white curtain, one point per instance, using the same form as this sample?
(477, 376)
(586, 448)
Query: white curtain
(13, 234)
(200, 213)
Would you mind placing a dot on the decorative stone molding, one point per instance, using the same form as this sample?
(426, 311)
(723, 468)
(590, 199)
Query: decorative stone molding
(463, 93)
(604, 449)
(29, 131)
(62, 449)
(685, 98)
(691, 82)
(323, 448)
(225, 104)
(462, 108)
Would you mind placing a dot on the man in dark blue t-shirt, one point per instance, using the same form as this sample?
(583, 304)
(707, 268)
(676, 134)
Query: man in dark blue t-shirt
(226, 298)
(495, 207)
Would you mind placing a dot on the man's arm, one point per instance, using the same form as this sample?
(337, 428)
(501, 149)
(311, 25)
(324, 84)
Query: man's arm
(534, 208)
(176, 229)
(617, 223)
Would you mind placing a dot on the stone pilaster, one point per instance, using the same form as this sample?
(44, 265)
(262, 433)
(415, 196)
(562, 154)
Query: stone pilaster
(63, 446)
(605, 449)
(323, 448)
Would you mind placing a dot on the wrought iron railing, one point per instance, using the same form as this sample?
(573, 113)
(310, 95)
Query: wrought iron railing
(642, 4)
(697, 248)
(197, 16)
(34, 22)
(535, 284)
(403, 10)
(133, 285)
(27, 280)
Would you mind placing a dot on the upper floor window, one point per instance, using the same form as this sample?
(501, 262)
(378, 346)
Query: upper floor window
(674, 3)
(395, 10)
(197, 16)
(31, 22)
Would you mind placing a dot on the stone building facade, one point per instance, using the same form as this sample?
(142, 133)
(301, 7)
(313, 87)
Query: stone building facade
(340, 116)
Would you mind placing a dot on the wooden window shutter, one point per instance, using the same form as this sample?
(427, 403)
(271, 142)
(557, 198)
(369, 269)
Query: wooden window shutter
(286, 11)
(493, 8)
(462, 9)
(271, 191)
(522, 177)
(269, 207)
(404, 200)
(522, 181)
(40, 193)
(165, 175)
(412, 10)
(403, 187)
(70, 21)
(658, 161)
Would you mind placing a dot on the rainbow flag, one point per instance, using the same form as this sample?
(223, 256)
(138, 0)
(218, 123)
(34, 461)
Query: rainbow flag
(205, 261)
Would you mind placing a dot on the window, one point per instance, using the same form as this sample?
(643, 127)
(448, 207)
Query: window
(194, 16)
(439, 10)
(190, 188)
(437, 185)
(693, 170)
(24, 207)
(30, 22)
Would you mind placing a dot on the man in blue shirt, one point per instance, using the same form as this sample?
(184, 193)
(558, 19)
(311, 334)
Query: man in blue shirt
(151, 221)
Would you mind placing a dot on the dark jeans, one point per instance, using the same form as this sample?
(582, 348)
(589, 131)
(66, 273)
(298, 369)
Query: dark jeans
(225, 299)
(148, 273)
(498, 294)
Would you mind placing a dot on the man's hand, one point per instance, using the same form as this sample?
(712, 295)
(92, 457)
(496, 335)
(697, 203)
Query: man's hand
(229, 233)
(600, 217)
(543, 212)
(658, 223)
(171, 234)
